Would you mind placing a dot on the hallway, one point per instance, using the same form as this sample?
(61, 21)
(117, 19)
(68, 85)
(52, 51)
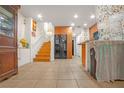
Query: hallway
(65, 73)
(61, 73)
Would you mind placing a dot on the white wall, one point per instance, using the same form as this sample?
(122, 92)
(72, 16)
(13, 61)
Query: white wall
(28, 26)
(37, 41)
(49, 36)
(81, 35)
(39, 31)
(74, 38)
(78, 47)
(26, 55)
(21, 27)
(23, 56)
(52, 43)
(41, 37)
(23, 53)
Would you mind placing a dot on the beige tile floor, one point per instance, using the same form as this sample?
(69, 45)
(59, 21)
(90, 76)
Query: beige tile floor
(64, 73)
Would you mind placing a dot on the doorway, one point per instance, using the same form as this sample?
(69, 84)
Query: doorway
(72, 47)
(60, 46)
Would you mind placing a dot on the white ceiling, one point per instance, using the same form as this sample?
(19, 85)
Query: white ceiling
(61, 15)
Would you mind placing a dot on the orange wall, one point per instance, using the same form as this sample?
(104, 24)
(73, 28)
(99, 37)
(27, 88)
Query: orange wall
(84, 54)
(66, 30)
(92, 29)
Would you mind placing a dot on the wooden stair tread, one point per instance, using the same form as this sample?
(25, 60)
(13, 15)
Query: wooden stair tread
(43, 54)
(42, 58)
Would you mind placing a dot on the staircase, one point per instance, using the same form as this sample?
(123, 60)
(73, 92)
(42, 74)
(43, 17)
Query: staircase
(43, 54)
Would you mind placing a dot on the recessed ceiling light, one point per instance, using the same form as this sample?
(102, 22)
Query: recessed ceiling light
(72, 24)
(39, 16)
(74, 34)
(70, 27)
(75, 16)
(92, 16)
(1, 17)
(85, 24)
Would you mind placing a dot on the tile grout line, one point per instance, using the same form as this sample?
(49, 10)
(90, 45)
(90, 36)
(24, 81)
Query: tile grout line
(75, 79)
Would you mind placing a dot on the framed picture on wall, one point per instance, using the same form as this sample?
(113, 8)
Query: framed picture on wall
(96, 35)
(34, 25)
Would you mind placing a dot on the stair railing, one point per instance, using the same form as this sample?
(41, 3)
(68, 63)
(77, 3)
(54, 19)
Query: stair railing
(36, 46)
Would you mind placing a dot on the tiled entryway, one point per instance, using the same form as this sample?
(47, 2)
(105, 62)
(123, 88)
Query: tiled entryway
(65, 73)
